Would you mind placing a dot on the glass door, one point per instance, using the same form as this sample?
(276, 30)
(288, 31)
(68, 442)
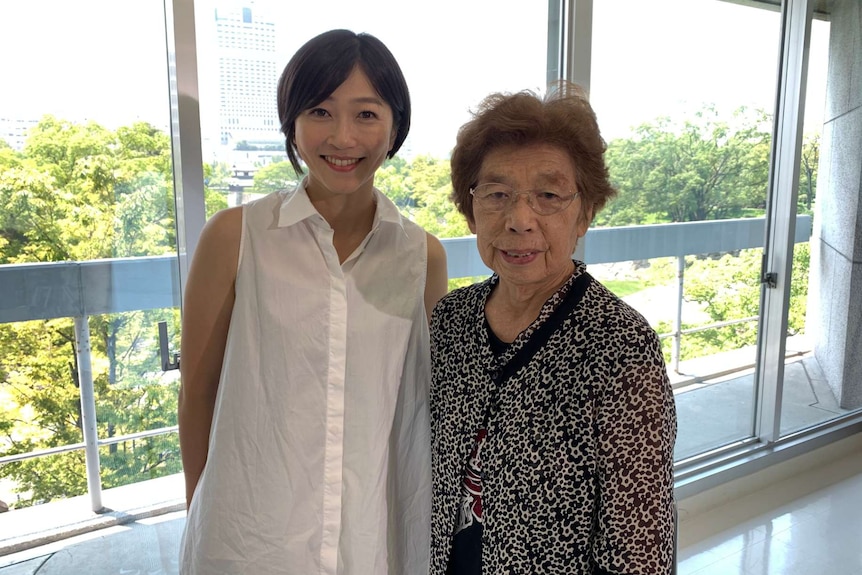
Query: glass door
(88, 257)
(687, 111)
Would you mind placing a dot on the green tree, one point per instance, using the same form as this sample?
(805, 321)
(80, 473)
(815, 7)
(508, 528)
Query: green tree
(429, 185)
(809, 163)
(729, 288)
(81, 192)
(215, 187)
(274, 177)
(391, 179)
(439, 216)
(707, 167)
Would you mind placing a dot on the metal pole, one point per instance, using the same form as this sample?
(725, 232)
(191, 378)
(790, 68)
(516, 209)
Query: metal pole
(677, 322)
(796, 16)
(88, 412)
(186, 146)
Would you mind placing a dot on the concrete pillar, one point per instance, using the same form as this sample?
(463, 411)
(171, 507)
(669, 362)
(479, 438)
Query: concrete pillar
(835, 305)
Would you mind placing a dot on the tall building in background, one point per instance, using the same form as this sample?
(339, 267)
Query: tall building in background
(15, 131)
(247, 74)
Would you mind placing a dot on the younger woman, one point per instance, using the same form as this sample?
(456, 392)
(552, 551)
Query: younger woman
(305, 355)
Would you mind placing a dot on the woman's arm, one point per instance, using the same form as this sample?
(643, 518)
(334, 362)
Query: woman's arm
(637, 431)
(437, 278)
(207, 306)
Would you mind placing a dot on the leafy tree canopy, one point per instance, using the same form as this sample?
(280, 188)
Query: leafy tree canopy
(82, 192)
(274, 177)
(706, 167)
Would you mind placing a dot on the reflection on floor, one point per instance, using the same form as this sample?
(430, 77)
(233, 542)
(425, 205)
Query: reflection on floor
(814, 535)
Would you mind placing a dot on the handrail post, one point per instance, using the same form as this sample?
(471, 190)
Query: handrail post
(677, 321)
(88, 412)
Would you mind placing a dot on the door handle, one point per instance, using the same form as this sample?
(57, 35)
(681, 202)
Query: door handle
(169, 361)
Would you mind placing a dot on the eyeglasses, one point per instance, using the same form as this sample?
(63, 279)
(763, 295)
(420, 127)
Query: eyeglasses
(496, 197)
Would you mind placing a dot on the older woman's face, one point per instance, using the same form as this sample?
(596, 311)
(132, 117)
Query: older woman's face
(528, 250)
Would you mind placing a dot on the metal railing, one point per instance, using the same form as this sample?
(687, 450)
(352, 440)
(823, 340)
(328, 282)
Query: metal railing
(79, 290)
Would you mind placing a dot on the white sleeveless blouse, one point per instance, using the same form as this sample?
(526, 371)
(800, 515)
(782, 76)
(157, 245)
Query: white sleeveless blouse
(319, 454)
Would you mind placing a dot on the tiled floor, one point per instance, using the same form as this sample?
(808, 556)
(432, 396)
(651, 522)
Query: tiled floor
(818, 534)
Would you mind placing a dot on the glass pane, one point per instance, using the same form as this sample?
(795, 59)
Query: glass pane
(87, 230)
(687, 116)
(808, 397)
(461, 52)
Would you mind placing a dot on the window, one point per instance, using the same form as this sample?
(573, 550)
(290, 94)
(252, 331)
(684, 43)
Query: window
(88, 257)
(666, 84)
(450, 64)
(687, 116)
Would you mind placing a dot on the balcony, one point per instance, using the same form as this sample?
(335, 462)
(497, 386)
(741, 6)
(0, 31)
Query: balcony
(715, 394)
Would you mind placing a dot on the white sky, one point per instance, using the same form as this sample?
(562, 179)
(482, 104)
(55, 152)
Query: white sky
(649, 58)
(649, 62)
(55, 55)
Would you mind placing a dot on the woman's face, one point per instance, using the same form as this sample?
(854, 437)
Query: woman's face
(345, 138)
(527, 250)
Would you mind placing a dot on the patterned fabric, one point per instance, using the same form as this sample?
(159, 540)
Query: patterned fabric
(471, 489)
(466, 556)
(578, 459)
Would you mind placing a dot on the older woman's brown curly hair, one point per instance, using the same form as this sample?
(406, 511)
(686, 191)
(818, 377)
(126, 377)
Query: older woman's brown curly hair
(562, 118)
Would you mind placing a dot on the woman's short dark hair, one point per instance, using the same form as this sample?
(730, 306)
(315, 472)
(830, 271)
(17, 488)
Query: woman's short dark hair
(322, 64)
(562, 118)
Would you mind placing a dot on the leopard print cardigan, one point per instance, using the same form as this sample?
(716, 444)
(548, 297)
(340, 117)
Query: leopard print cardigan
(578, 461)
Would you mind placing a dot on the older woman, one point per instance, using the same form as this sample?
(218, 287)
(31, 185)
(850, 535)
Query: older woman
(553, 420)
